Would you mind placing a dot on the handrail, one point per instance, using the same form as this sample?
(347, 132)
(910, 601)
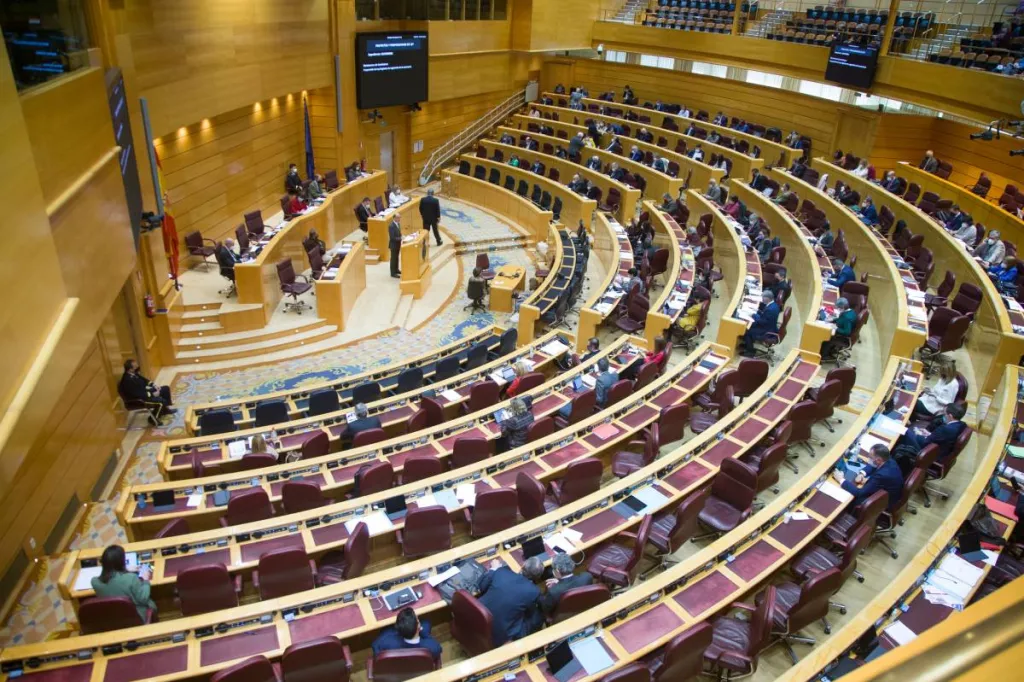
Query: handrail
(455, 144)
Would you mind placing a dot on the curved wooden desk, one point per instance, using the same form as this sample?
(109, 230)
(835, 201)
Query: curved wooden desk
(679, 278)
(509, 205)
(898, 334)
(574, 207)
(298, 399)
(617, 258)
(699, 172)
(981, 209)
(997, 429)
(337, 291)
(992, 343)
(257, 281)
(658, 183)
(566, 168)
(534, 311)
(804, 266)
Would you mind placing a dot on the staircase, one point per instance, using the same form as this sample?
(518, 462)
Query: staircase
(627, 13)
(450, 149)
(948, 39)
(768, 23)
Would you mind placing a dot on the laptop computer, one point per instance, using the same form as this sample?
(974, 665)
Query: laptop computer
(534, 547)
(562, 663)
(394, 507)
(634, 504)
(163, 500)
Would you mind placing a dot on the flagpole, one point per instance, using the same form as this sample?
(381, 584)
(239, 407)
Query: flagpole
(154, 169)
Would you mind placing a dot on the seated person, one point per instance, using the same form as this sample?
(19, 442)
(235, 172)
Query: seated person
(714, 137)
(645, 135)
(363, 212)
(846, 320)
(757, 180)
(733, 208)
(634, 280)
(521, 369)
(660, 164)
(890, 183)
(396, 198)
(1005, 273)
(135, 387)
(697, 153)
(578, 184)
(313, 239)
(362, 422)
(295, 203)
(947, 429)
(844, 274)
(594, 163)
(798, 167)
(778, 284)
(657, 355)
(635, 154)
(115, 580)
(882, 474)
(616, 173)
(792, 140)
(409, 632)
(615, 147)
(766, 321)
(689, 320)
(507, 139)
(353, 172)
(559, 89)
(715, 193)
(861, 171)
(315, 190)
(514, 161)
(827, 238)
(967, 232)
(784, 193)
(720, 119)
(868, 212)
(513, 600)
(935, 399)
(260, 446)
(668, 204)
(954, 219)
(517, 423)
(992, 251)
(560, 152)
(563, 568)
(537, 167)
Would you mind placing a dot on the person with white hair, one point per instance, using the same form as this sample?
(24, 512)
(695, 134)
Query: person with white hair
(564, 571)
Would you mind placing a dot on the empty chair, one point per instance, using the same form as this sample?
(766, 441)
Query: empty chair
(799, 605)
(736, 644)
(197, 247)
(375, 478)
(427, 530)
(322, 402)
(492, 512)
(751, 373)
(316, 446)
(866, 513)
(254, 669)
(398, 665)
(683, 657)
(506, 344)
(409, 380)
(298, 496)
(946, 332)
(472, 623)
(419, 467)
(475, 356)
(893, 517)
(366, 392)
(482, 395)
(369, 437)
(582, 406)
(731, 499)
(202, 589)
(324, 659)
(542, 428)
(467, 451)
(284, 571)
(717, 409)
(672, 422)
(337, 566)
(531, 497)
(618, 562)
(672, 529)
(291, 286)
(625, 462)
(103, 614)
(213, 422)
(256, 460)
(173, 528)
(247, 506)
(766, 463)
(271, 412)
(825, 399)
(581, 478)
(446, 368)
(942, 292)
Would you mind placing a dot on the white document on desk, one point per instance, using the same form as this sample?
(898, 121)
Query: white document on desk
(448, 500)
(555, 347)
(900, 633)
(466, 492)
(377, 523)
(498, 378)
(889, 426)
(651, 498)
(439, 578)
(194, 500)
(83, 581)
(867, 441)
(237, 449)
(834, 491)
(961, 569)
(451, 396)
(591, 654)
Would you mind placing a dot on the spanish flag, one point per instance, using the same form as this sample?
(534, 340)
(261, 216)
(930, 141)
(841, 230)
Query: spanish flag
(170, 230)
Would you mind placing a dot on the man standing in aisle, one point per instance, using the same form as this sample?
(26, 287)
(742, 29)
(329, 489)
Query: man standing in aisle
(395, 242)
(430, 212)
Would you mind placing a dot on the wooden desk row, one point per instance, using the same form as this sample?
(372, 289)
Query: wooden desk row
(324, 528)
(995, 432)
(638, 622)
(257, 280)
(992, 342)
(243, 409)
(906, 331)
(742, 165)
(175, 456)
(679, 278)
(617, 260)
(574, 207)
(509, 205)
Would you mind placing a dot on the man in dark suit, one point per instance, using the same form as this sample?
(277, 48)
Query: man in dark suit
(766, 321)
(578, 184)
(135, 388)
(562, 567)
(635, 154)
(292, 181)
(409, 632)
(430, 212)
(956, 219)
(645, 135)
(395, 242)
(362, 422)
(883, 474)
(947, 428)
(575, 145)
(594, 163)
(513, 600)
(226, 256)
(844, 274)
(929, 163)
(659, 106)
(363, 213)
(891, 183)
(616, 173)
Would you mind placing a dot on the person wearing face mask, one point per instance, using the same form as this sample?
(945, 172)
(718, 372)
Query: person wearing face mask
(992, 250)
(136, 388)
(883, 474)
(292, 181)
(943, 434)
(868, 212)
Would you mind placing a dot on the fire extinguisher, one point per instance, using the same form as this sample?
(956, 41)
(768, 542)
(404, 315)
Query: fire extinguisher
(147, 301)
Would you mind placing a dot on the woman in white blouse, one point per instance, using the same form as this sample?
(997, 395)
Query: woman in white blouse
(933, 400)
(396, 198)
(861, 171)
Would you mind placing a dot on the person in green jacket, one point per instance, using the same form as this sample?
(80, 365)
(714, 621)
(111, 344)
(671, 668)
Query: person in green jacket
(116, 581)
(845, 321)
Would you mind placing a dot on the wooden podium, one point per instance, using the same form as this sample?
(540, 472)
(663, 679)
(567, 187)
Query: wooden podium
(336, 295)
(414, 263)
(377, 228)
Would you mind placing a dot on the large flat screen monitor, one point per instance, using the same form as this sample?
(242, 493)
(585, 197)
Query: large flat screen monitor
(391, 68)
(852, 65)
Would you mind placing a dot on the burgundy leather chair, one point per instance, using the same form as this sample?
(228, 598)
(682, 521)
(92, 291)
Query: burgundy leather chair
(202, 589)
(417, 422)
(856, 295)
(750, 374)
(847, 378)
(493, 511)
(672, 422)
(254, 222)
(731, 499)
(195, 244)
(435, 413)
(767, 464)
(816, 559)
(317, 446)
(946, 332)
(866, 513)
(582, 406)
(625, 462)
(399, 665)
(173, 528)
(246, 507)
(723, 405)
(376, 478)
(336, 566)
(467, 451)
(635, 317)
(799, 605)
(893, 517)
(672, 529)
(542, 428)
(634, 672)
(735, 643)
(617, 562)
(648, 372)
(472, 624)
(256, 460)
(298, 496)
(103, 614)
(581, 478)
(324, 659)
(419, 467)
(619, 391)
(802, 416)
(291, 286)
(368, 437)
(427, 530)
(578, 600)
(482, 395)
(824, 403)
(254, 669)
(530, 381)
(484, 263)
(284, 571)
(967, 300)
(683, 657)
(942, 292)
(531, 496)
(765, 347)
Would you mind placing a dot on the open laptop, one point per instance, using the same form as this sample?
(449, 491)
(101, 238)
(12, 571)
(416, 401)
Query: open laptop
(562, 663)
(534, 547)
(163, 500)
(394, 507)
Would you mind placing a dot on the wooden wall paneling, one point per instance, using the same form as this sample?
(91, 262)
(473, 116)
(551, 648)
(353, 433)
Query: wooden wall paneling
(900, 137)
(464, 37)
(855, 131)
(563, 25)
(557, 71)
(952, 142)
(465, 75)
(323, 128)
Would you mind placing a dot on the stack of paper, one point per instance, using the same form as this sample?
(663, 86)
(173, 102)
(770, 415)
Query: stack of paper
(591, 654)
(900, 633)
(590, 380)
(83, 581)
(555, 347)
(376, 522)
(466, 492)
(868, 441)
(451, 396)
(558, 540)
(497, 378)
(237, 449)
(330, 273)
(439, 578)
(834, 491)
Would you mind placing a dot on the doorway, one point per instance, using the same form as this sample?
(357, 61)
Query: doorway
(387, 163)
